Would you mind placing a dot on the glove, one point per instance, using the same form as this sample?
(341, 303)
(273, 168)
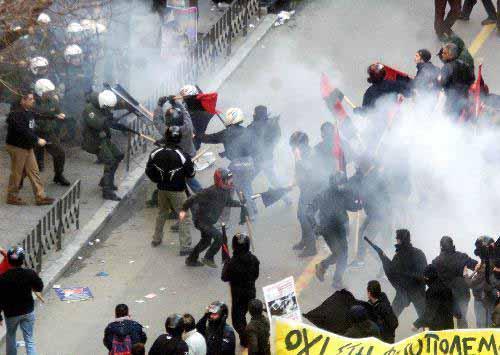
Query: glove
(162, 100)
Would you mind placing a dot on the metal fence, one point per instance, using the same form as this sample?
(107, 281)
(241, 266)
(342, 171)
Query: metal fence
(47, 236)
(210, 51)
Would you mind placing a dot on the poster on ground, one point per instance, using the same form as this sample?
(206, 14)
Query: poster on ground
(281, 300)
(295, 338)
(74, 294)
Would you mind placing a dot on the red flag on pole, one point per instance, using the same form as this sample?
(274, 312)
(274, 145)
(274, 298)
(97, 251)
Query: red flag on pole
(475, 91)
(338, 153)
(394, 74)
(203, 102)
(333, 98)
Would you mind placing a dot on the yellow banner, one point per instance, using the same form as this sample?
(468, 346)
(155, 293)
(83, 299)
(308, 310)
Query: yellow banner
(301, 339)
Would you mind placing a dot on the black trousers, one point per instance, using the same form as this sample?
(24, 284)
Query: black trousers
(444, 22)
(239, 309)
(211, 238)
(306, 226)
(336, 239)
(488, 6)
(403, 299)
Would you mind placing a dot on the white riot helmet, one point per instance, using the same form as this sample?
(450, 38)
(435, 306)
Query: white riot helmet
(38, 65)
(234, 116)
(107, 98)
(43, 86)
(100, 28)
(188, 90)
(74, 32)
(43, 19)
(73, 54)
(89, 26)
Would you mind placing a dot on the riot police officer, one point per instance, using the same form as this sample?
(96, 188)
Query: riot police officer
(47, 104)
(97, 121)
(171, 342)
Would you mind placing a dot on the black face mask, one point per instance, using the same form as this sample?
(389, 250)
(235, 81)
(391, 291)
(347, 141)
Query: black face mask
(398, 247)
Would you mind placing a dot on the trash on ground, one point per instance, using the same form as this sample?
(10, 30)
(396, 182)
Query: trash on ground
(74, 294)
(163, 288)
(56, 286)
(283, 17)
(150, 295)
(102, 274)
(139, 301)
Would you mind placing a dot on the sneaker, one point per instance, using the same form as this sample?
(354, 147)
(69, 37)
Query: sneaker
(45, 201)
(113, 187)
(61, 180)
(14, 200)
(193, 263)
(111, 196)
(209, 263)
(357, 264)
(308, 252)
(320, 272)
(299, 246)
(185, 251)
(489, 21)
(155, 243)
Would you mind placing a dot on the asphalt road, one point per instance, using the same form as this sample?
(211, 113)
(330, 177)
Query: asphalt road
(339, 37)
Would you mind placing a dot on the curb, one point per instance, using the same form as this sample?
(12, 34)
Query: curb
(132, 180)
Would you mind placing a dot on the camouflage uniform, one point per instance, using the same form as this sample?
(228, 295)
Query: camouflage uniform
(97, 140)
(49, 130)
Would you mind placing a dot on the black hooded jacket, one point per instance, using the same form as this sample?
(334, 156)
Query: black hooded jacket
(381, 89)
(236, 140)
(438, 314)
(385, 319)
(407, 268)
(220, 337)
(450, 267)
(241, 271)
(122, 327)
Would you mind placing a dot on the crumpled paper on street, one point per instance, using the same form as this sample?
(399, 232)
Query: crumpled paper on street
(283, 17)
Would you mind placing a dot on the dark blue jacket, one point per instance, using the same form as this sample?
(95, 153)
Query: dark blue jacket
(122, 327)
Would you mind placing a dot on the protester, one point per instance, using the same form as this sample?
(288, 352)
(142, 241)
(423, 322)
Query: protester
(488, 6)
(4, 265)
(385, 317)
(21, 140)
(195, 341)
(438, 313)
(218, 334)
(241, 271)
(123, 331)
(16, 301)
(442, 24)
(427, 73)
(450, 266)
(209, 204)
(171, 342)
(362, 327)
(169, 166)
(258, 330)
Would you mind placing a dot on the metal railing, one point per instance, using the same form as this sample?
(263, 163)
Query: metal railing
(135, 143)
(47, 236)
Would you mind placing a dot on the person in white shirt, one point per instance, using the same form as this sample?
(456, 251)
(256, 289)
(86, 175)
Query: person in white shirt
(195, 341)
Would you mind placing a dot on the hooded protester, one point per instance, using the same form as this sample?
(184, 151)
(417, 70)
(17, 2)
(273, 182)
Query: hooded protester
(438, 313)
(323, 152)
(123, 327)
(450, 266)
(171, 342)
(208, 206)
(258, 330)
(332, 206)
(309, 186)
(385, 317)
(238, 145)
(241, 271)
(406, 273)
(362, 326)
(218, 334)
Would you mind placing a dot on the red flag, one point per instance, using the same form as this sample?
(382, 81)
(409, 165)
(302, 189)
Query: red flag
(394, 74)
(475, 91)
(4, 265)
(333, 98)
(209, 102)
(338, 153)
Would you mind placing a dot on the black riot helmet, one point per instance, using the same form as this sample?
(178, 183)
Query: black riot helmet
(446, 244)
(376, 73)
(173, 134)
(241, 243)
(260, 113)
(299, 139)
(174, 117)
(16, 256)
(218, 312)
(174, 325)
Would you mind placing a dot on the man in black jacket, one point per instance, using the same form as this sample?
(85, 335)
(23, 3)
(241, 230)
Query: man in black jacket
(406, 274)
(218, 334)
(16, 301)
(258, 330)
(122, 327)
(309, 185)
(241, 271)
(171, 343)
(450, 266)
(238, 145)
(438, 314)
(362, 326)
(169, 167)
(332, 205)
(21, 140)
(455, 79)
(209, 204)
(385, 317)
(427, 73)
(323, 152)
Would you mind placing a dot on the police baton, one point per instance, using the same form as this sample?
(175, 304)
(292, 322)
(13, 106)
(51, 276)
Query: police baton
(247, 221)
